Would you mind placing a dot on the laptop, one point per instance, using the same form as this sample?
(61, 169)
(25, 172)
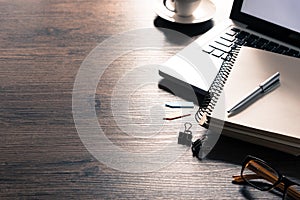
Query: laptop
(271, 25)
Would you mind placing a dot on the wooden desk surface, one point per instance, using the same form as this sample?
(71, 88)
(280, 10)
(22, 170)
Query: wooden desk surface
(42, 45)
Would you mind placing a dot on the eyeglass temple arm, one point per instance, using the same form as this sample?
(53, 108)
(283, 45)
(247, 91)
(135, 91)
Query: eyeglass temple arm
(239, 179)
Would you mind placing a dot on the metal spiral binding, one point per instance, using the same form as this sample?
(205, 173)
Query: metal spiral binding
(216, 88)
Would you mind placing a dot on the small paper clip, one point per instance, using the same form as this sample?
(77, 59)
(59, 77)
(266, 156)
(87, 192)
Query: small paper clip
(185, 138)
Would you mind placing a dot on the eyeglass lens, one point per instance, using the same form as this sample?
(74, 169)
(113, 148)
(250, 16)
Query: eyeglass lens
(260, 175)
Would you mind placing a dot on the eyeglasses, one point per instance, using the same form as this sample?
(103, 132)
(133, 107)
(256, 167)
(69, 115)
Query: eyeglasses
(262, 176)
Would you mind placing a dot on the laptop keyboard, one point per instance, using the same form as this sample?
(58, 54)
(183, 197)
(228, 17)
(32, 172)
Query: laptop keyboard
(223, 44)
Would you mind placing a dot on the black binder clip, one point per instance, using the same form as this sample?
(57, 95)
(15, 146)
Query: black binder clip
(185, 138)
(197, 145)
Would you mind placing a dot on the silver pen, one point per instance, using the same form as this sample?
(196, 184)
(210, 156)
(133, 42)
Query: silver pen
(264, 87)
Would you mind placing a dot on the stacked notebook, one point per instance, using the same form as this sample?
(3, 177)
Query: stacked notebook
(274, 119)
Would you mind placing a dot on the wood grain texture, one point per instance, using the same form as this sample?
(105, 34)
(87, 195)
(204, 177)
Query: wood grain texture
(42, 45)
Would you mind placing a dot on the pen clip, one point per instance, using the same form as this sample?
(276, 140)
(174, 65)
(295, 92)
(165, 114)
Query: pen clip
(271, 88)
(270, 82)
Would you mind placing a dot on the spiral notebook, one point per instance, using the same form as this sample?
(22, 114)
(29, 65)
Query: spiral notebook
(272, 120)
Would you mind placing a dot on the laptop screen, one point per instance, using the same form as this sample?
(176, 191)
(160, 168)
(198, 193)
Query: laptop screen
(283, 13)
(276, 18)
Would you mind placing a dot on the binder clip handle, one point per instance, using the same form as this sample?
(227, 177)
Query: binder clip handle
(187, 127)
(197, 145)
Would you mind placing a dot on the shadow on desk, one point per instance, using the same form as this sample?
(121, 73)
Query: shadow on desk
(187, 29)
(232, 150)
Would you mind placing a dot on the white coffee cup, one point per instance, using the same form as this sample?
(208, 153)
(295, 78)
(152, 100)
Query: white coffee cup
(183, 8)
